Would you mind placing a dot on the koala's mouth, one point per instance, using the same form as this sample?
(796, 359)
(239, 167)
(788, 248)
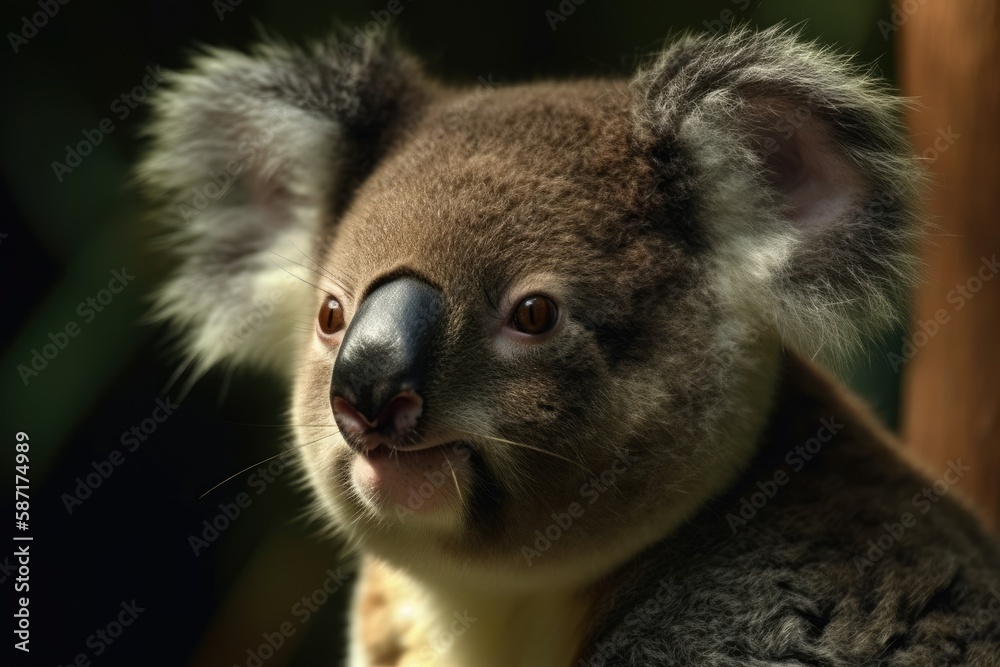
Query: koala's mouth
(389, 448)
(426, 478)
(378, 444)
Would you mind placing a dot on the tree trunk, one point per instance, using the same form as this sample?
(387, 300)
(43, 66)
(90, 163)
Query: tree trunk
(949, 56)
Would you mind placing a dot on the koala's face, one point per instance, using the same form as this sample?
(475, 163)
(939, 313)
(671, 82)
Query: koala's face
(545, 320)
(570, 362)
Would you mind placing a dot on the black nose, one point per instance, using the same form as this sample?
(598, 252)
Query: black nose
(384, 361)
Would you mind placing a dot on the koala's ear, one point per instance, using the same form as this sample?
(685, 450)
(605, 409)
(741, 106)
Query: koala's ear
(251, 156)
(799, 177)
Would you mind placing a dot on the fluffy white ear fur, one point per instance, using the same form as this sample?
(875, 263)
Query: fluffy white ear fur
(260, 320)
(247, 152)
(805, 186)
(241, 174)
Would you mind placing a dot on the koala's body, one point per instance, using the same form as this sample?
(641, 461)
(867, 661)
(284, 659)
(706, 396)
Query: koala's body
(555, 393)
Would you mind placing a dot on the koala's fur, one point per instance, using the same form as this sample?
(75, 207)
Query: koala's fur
(743, 203)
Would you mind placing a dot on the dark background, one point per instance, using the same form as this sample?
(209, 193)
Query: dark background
(60, 241)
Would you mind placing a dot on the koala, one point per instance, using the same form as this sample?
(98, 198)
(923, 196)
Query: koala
(550, 349)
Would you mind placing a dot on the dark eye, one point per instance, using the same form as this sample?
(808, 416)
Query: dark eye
(331, 316)
(535, 315)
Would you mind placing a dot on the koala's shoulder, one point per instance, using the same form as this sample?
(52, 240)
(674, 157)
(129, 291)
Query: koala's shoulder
(848, 562)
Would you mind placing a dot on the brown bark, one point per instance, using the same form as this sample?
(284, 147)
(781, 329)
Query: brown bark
(949, 54)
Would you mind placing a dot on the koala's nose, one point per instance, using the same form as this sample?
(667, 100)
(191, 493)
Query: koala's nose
(382, 368)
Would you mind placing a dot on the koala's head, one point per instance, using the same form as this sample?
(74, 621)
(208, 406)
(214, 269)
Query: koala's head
(530, 328)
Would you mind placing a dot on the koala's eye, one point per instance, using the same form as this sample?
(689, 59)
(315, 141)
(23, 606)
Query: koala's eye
(535, 315)
(331, 316)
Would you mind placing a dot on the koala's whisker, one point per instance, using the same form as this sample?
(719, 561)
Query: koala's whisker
(269, 458)
(318, 273)
(302, 326)
(454, 477)
(531, 447)
(319, 267)
(293, 275)
(176, 375)
(326, 272)
(282, 425)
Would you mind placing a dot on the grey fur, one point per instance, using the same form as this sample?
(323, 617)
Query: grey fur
(800, 582)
